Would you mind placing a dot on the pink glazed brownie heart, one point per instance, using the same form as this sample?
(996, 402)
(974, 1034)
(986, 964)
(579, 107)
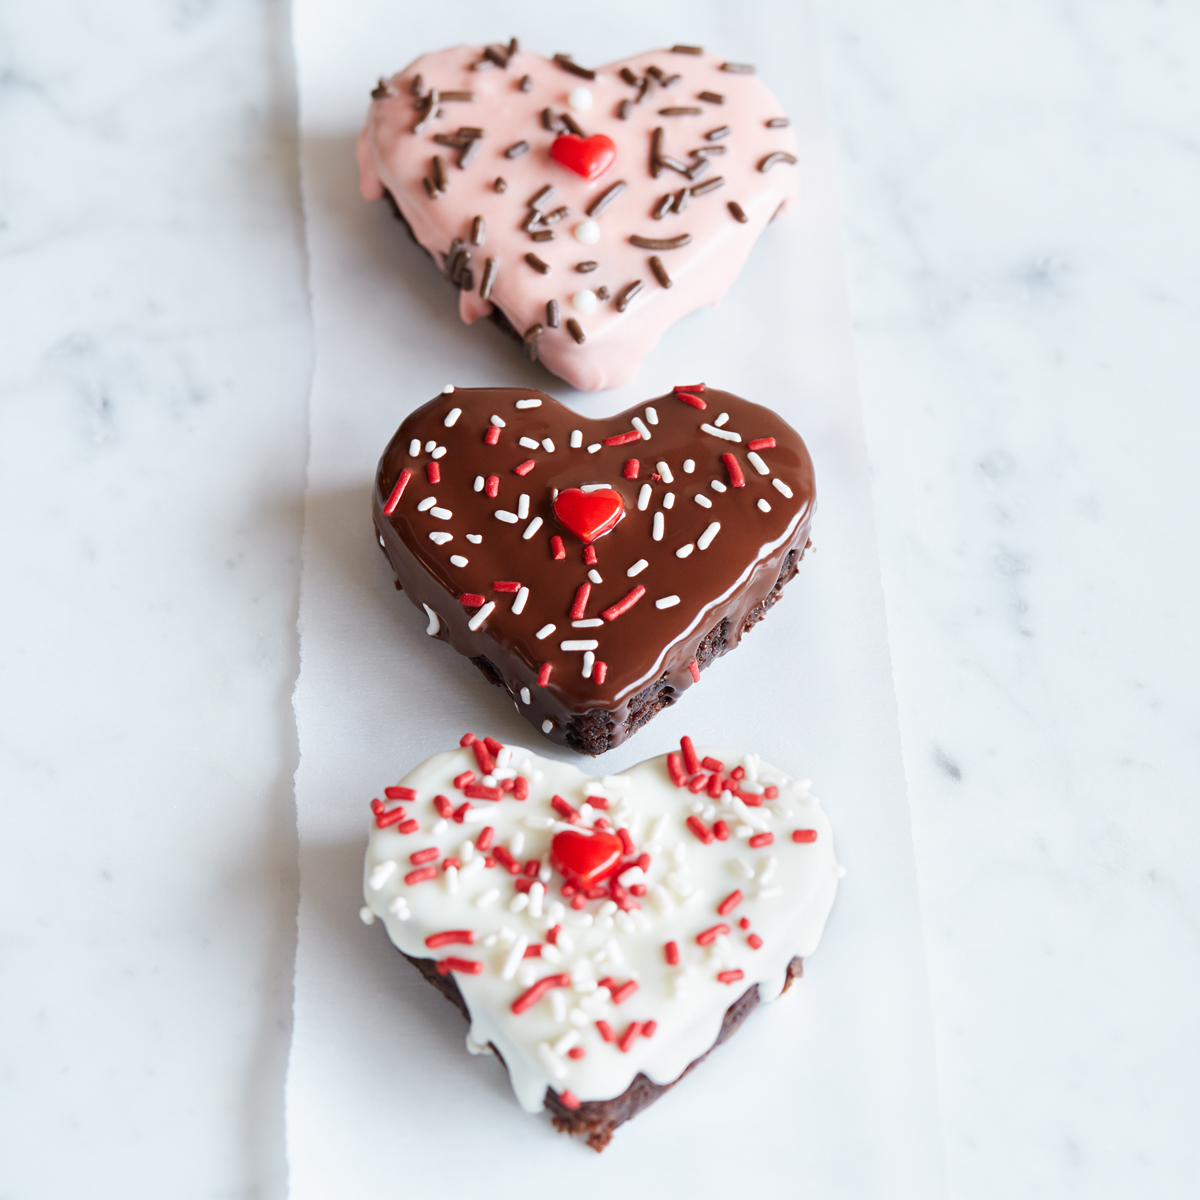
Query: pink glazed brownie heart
(593, 568)
(600, 935)
(585, 211)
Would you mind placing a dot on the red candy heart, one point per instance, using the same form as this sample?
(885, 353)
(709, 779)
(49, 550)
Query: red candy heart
(589, 157)
(588, 515)
(586, 859)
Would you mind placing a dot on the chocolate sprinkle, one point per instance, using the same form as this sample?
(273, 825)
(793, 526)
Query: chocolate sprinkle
(655, 73)
(626, 74)
(624, 109)
(670, 81)
(467, 157)
(645, 243)
(477, 231)
(549, 120)
(450, 139)
(575, 330)
(674, 164)
(736, 209)
(466, 279)
(571, 124)
(430, 190)
(680, 111)
(380, 91)
(534, 331)
(643, 89)
(536, 263)
(542, 197)
(602, 292)
(778, 123)
(707, 151)
(530, 338)
(780, 156)
(490, 271)
(711, 97)
(687, 49)
(443, 184)
(715, 135)
(552, 313)
(626, 294)
(698, 168)
(532, 218)
(709, 185)
(738, 68)
(663, 207)
(656, 140)
(559, 214)
(543, 235)
(417, 86)
(468, 96)
(584, 267)
(605, 198)
(660, 272)
(501, 184)
(516, 150)
(681, 199)
(497, 54)
(565, 61)
(526, 84)
(513, 46)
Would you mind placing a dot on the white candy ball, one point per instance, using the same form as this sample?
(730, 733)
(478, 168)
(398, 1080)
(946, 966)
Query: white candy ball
(584, 300)
(587, 232)
(580, 99)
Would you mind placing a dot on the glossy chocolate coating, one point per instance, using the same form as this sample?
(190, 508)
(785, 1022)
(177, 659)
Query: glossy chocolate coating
(646, 645)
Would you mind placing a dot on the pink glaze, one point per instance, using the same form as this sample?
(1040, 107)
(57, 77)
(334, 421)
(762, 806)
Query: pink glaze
(392, 157)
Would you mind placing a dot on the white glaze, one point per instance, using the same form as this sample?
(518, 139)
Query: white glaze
(789, 889)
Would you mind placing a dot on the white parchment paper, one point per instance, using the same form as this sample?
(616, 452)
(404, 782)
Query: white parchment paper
(828, 1093)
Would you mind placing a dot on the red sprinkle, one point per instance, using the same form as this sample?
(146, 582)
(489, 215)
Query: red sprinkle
(433, 472)
(424, 856)
(447, 863)
(487, 764)
(629, 1037)
(420, 875)
(477, 791)
(568, 1097)
(400, 793)
(694, 667)
(675, 769)
(643, 861)
(730, 976)
(690, 758)
(688, 387)
(622, 439)
(624, 605)
(648, 1029)
(384, 819)
(710, 935)
(544, 674)
(493, 746)
(754, 941)
(443, 806)
(736, 478)
(461, 811)
(409, 826)
(582, 592)
(520, 788)
(744, 923)
(527, 999)
(461, 781)
(632, 467)
(484, 840)
(471, 600)
(575, 1052)
(451, 937)
(557, 548)
(761, 839)
(492, 436)
(600, 671)
(606, 1032)
(489, 862)
(690, 398)
(730, 902)
(671, 953)
(761, 444)
(509, 863)
(699, 828)
(712, 764)
(720, 831)
(715, 786)
(624, 991)
(505, 585)
(626, 840)
(578, 901)
(397, 492)
(771, 793)
(522, 884)
(563, 809)
(804, 835)
(737, 774)
(589, 555)
(525, 467)
(491, 485)
(467, 739)
(697, 782)
(552, 934)
(533, 951)
(467, 966)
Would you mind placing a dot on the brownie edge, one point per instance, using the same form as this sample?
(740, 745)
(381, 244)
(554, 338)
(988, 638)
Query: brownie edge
(598, 1120)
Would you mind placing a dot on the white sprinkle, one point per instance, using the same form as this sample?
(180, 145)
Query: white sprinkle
(550, 953)
(442, 514)
(576, 438)
(780, 486)
(513, 960)
(717, 486)
(578, 644)
(519, 903)
(548, 445)
(644, 497)
(440, 537)
(434, 624)
(414, 447)
(488, 898)
(527, 973)
(757, 463)
(528, 442)
(593, 447)
(380, 874)
(429, 446)
(660, 526)
(525, 695)
(457, 560)
(580, 99)
(532, 528)
(522, 506)
(667, 602)
(640, 426)
(637, 568)
(669, 500)
(537, 892)
(508, 518)
(593, 487)
(684, 551)
(589, 661)
(725, 434)
(689, 465)
(450, 876)
(474, 538)
(439, 451)
(399, 908)
(706, 538)
(427, 504)
(764, 506)
(447, 389)
(665, 472)
(768, 893)
(723, 419)
(366, 916)
(587, 232)
(701, 500)
(519, 605)
(532, 402)
(544, 632)
(587, 623)
(382, 542)
(466, 851)
(471, 868)
(497, 420)
(452, 416)
(478, 485)
(481, 616)
(547, 725)
(652, 414)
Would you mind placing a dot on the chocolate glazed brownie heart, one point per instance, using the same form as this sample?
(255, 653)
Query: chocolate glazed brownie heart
(593, 568)
(584, 210)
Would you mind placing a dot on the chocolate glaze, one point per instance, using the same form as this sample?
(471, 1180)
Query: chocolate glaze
(722, 590)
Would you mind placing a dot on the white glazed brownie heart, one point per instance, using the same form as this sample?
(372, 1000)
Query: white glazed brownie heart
(586, 210)
(601, 935)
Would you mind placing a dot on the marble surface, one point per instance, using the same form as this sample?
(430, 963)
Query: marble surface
(1020, 182)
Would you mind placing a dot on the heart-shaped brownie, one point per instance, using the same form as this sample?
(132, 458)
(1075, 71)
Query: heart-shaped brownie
(593, 567)
(599, 995)
(585, 210)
